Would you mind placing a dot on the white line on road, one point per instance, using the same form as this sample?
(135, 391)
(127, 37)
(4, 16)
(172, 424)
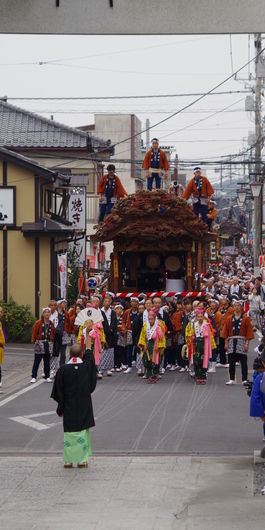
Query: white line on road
(30, 423)
(40, 414)
(20, 392)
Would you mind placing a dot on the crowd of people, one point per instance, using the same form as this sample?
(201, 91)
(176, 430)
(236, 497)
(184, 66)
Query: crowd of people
(150, 336)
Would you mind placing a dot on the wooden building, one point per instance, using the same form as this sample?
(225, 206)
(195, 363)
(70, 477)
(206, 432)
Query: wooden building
(33, 230)
(156, 237)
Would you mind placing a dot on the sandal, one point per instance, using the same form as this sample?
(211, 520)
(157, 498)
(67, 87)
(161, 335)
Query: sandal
(68, 465)
(151, 380)
(83, 464)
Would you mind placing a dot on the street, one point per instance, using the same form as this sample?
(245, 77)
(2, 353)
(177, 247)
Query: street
(170, 456)
(175, 416)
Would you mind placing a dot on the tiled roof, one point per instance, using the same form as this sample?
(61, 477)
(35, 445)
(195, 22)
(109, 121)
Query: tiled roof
(20, 128)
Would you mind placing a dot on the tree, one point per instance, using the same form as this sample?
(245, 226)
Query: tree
(73, 273)
(17, 321)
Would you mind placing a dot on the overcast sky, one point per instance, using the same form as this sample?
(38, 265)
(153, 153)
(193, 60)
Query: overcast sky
(100, 66)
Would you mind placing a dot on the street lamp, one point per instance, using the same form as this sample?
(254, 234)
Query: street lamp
(241, 194)
(255, 188)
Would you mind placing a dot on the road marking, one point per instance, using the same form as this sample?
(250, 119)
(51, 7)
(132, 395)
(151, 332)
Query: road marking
(30, 423)
(259, 333)
(20, 392)
(40, 414)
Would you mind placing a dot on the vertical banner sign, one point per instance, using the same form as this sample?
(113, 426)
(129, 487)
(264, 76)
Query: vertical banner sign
(62, 263)
(189, 267)
(77, 216)
(115, 268)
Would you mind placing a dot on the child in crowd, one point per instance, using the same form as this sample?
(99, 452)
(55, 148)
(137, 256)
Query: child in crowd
(152, 344)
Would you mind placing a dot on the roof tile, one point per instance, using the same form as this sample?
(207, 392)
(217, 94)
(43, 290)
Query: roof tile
(21, 128)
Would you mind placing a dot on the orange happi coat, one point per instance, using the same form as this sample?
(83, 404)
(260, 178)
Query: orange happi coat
(191, 189)
(163, 163)
(118, 191)
(37, 331)
(245, 329)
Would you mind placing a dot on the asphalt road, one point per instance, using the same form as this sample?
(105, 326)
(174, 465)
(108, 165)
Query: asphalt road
(175, 416)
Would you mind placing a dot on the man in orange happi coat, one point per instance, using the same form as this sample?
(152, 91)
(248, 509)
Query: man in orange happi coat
(237, 332)
(110, 190)
(154, 161)
(201, 190)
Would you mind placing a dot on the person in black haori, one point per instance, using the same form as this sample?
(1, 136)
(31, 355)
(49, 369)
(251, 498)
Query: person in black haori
(73, 385)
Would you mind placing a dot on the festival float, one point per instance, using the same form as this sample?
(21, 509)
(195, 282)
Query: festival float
(230, 232)
(158, 244)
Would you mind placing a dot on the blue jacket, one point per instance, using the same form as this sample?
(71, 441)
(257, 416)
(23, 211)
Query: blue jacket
(257, 399)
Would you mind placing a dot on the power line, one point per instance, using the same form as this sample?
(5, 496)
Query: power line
(87, 98)
(89, 157)
(202, 119)
(108, 53)
(196, 100)
(231, 53)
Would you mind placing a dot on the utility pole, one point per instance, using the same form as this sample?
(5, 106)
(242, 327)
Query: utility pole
(147, 126)
(221, 191)
(230, 201)
(258, 201)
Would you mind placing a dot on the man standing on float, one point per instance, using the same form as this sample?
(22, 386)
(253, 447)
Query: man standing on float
(201, 190)
(110, 190)
(154, 161)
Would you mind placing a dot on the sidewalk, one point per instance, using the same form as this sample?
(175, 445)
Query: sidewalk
(141, 493)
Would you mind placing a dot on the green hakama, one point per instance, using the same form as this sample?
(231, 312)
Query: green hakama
(200, 372)
(77, 447)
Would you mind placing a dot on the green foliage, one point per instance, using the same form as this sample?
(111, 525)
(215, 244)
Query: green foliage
(17, 321)
(72, 274)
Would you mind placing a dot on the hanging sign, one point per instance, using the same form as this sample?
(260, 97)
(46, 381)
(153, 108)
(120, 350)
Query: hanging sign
(62, 263)
(189, 267)
(115, 268)
(77, 216)
(92, 282)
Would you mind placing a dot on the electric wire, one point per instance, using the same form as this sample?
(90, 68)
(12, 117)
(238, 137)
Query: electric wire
(150, 96)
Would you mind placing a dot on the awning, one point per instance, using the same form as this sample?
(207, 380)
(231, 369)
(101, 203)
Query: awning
(48, 228)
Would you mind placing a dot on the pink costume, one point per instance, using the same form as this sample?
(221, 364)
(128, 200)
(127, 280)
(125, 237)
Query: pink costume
(96, 335)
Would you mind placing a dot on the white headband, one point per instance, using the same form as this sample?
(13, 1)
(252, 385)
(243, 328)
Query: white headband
(110, 294)
(61, 301)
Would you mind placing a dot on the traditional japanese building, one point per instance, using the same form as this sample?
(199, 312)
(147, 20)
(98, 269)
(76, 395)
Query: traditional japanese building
(76, 154)
(34, 229)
